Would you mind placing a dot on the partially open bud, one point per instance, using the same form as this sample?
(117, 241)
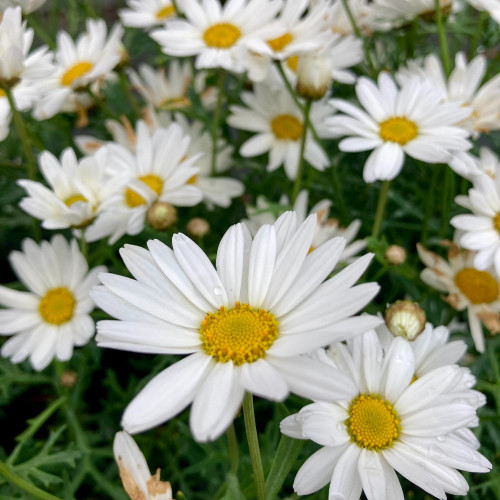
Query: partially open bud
(161, 215)
(68, 378)
(313, 76)
(405, 319)
(198, 227)
(395, 255)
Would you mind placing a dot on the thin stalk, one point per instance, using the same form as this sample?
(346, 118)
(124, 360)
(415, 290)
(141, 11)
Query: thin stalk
(445, 54)
(253, 446)
(474, 44)
(24, 485)
(40, 31)
(300, 171)
(447, 200)
(215, 127)
(23, 133)
(411, 39)
(379, 214)
(338, 192)
(232, 442)
(360, 35)
(126, 89)
(429, 206)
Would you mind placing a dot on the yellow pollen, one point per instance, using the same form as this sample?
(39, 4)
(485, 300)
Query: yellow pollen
(57, 306)
(479, 287)
(192, 180)
(175, 103)
(165, 12)
(2, 93)
(241, 334)
(221, 35)
(278, 44)
(372, 422)
(133, 199)
(73, 199)
(398, 129)
(286, 127)
(293, 62)
(75, 72)
(496, 219)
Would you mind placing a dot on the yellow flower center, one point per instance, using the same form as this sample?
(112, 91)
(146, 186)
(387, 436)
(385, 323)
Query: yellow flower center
(165, 12)
(286, 127)
(398, 129)
(372, 422)
(496, 219)
(479, 287)
(192, 180)
(132, 199)
(75, 72)
(73, 199)
(221, 35)
(293, 62)
(278, 44)
(57, 306)
(241, 334)
(2, 93)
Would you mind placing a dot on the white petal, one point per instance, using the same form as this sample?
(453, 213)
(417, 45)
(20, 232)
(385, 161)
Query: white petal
(261, 379)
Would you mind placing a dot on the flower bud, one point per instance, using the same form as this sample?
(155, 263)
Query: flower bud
(198, 227)
(395, 255)
(406, 319)
(161, 215)
(313, 76)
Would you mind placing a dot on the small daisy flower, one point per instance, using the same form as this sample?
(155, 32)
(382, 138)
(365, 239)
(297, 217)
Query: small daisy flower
(470, 166)
(411, 120)
(278, 121)
(327, 228)
(147, 13)
(243, 324)
(467, 287)
(79, 64)
(137, 481)
(219, 35)
(389, 423)
(492, 7)
(158, 170)
(54, 315)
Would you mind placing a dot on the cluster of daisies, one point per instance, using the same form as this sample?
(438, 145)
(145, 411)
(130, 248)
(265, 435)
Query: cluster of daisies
(277, 310)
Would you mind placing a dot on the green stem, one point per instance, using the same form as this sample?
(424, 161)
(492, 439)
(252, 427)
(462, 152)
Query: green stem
(445, 55)
(447, 200)
(232, 442)
(130, 97)
(411, 39)
(481, 21)
(18, 481)
(360, 35)
(253, 446)
(338, 192)
(429, 206)
(300, 171)
(215, 125)
(40, 31)
(379, 214)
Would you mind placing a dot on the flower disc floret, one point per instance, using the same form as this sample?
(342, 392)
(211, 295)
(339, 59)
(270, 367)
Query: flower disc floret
(480, 287)
(221, 35)
(241, 334)
(57, 306)
(398, 129)
(75, 72)
(496, 222)
(286, 127)
(165, 12)
(132, 199)
(278, 44)
(73, 199)
(372, 422)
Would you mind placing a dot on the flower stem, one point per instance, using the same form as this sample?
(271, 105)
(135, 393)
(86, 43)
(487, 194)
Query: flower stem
(300, 171)
(445, 55)
(379, 214)
(29, 488)
(360, 35)
(233, 449)
(253, 446)
(215, 127)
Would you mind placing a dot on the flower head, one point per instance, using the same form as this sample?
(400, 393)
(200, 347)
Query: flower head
(147, 13)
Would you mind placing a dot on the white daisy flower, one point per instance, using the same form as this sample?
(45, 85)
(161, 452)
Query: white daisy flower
(27, 6)
(467, 288)
(244, 324)
(389, 423)
(411, 120)
(147, 13)
(137, 481)
(54, 315)
(400, 12)
(220, 35)
(158, 171)
(492, 7)
(327, 228)
(79, 64)
(470, 166)
(463, 87)
(278, 121)
(77, 189)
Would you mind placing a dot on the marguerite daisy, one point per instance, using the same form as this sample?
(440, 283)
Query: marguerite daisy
(147, 13)
(390, 422)
(244, 325)
(54, 315)
(411, 120)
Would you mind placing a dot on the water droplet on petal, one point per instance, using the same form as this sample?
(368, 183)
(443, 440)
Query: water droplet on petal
(217, 290)
(441, 438)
